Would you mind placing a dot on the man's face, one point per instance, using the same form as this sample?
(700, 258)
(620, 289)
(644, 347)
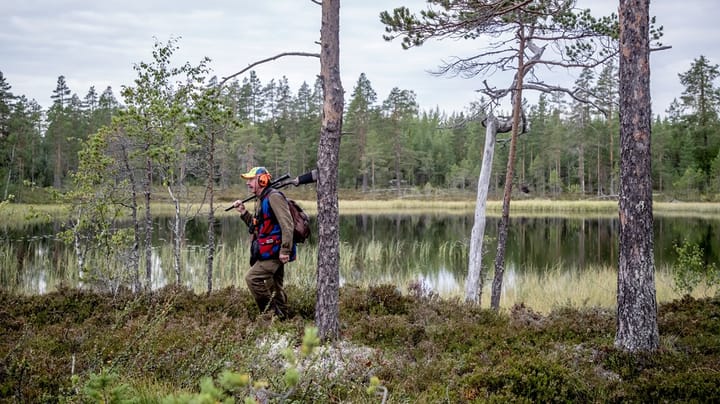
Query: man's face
(253, 186)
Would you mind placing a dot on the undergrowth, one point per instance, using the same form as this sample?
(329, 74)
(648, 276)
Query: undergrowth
(74, 346)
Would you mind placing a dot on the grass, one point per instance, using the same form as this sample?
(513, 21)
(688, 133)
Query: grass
(421, 348)
(595, 287)
(365, 265)
(17, 214)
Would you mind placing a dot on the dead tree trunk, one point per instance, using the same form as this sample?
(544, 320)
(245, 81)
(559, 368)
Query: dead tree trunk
(328, 272)
(475, 280)
(637, 328)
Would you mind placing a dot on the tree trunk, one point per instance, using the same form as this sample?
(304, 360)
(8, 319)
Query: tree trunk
(474, 282)
(612, 161)
(581, 167)
(505, 220)
(7, 183)
(637, 328)
(148, 225)
(135, 252)
(328, 272)
(211, 212)
(57, 167)
(177, 231)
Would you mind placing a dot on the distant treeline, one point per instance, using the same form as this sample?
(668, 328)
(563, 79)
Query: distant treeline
(570, 148)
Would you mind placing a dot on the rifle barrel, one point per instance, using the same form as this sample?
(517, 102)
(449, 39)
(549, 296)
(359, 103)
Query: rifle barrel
(274, 184)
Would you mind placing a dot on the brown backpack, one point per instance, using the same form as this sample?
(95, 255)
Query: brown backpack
(301, 221)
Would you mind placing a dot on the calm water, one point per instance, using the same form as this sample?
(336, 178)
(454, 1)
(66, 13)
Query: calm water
(429, 247)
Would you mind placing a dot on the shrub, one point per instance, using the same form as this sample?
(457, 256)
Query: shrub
(690, 269)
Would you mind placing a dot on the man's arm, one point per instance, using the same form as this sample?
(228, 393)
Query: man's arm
(245, 215)
(280, 208)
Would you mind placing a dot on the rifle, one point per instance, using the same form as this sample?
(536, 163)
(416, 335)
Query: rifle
(307, 178)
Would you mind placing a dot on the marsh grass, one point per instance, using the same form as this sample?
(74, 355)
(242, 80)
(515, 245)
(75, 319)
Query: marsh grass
(400, 262)
(17, 214)
(368, 265)
(545, 291)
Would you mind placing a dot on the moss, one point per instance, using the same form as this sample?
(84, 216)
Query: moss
(534, 378)
(424, 350)
(694, 385)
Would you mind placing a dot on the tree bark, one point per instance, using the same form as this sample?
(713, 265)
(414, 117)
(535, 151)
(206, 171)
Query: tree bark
(637, 328)
(211, 211)
(505, 220)
(474, 282)
(135, 252)
(328, 272)
(148, 223)
(177, 231)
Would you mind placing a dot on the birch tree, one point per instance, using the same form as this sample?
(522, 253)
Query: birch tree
(155, 121)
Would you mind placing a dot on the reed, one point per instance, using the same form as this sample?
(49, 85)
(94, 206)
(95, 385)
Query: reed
(19, 214)
(558, 287)
(401, 263)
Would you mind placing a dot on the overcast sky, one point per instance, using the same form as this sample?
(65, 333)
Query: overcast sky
(96, 43)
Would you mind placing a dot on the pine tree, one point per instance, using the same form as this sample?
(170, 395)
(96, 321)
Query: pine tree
(358, 120)
(637, 327)
(6, 101)
(700, 102)
(399, 109)
(59, 130)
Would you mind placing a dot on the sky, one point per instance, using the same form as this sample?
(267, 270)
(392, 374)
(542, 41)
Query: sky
(97, 43)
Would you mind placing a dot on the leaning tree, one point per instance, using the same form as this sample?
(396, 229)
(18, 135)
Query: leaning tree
(527, 37)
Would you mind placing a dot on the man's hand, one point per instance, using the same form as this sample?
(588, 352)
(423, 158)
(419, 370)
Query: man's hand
(239, 206)
(284, 258)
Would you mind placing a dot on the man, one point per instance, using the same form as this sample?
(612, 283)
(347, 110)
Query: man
(272, 242)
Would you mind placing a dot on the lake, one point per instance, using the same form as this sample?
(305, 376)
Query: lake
(398, 249)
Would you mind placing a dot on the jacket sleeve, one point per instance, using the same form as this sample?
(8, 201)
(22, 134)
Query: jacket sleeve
(247, 218)
(280, 208)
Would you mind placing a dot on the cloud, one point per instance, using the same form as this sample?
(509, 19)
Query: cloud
(98, 42)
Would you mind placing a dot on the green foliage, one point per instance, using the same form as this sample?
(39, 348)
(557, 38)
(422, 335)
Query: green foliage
(536, 380)
(240, 385)
(691, 269)
(435, 149)
(691, 181)
(106, 388)
(185, 346)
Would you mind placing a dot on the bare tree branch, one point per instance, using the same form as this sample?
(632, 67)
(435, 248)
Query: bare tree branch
(575, 94)
(278, 56)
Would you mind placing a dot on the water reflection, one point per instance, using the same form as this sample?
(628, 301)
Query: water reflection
(431, 249)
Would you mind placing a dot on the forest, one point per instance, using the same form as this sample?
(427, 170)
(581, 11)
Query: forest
(570, 149)
(177, 128)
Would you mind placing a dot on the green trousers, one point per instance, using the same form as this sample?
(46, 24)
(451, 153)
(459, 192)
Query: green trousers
(265, 281)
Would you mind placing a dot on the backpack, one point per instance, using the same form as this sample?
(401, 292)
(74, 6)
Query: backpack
(301, 221)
